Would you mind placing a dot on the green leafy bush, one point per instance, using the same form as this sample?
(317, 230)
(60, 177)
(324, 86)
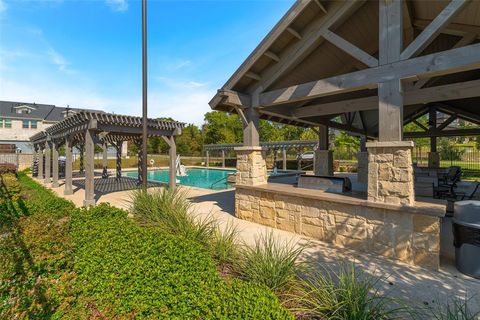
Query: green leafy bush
(271, 262)
(129, 271)
(346, 294)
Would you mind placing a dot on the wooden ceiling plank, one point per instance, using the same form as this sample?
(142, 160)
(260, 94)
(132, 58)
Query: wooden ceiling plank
(272, 56)
(294, 33)
(320, 5)
(433, 29)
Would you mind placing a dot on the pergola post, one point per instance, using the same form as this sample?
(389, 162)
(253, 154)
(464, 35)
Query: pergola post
(172, 153)
(323, 156)
(104, 160)
(390, 171)
(251, 165)
(207, 159)
(362, 164)
(40, 162)
(118, 148)
(81, 150)
(68, 167)
(433, 155)
(284, 159)
(89, 169)
(54, 164)
(48, 154)
(140, 161)
(35, 161)
(223, 158)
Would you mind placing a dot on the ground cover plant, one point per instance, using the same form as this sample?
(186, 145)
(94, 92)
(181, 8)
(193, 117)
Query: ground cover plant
(67, 263)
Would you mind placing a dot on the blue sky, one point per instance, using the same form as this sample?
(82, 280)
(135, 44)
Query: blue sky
(88, 53)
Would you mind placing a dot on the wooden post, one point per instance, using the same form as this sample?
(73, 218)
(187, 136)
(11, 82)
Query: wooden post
(433, 125)
(172, 152)
(390, 93)
(81, 149)
(140, 162)
(68, 167)
(104, 161)
(89, 169)
(35, 161)
(363, 144)
(40, 162)
(251, 129)
(323, 137)
(55, 165)
(118, 147)
(284, 159)
(48, 155)
(223, 158)
(207, 159)
(323, 164)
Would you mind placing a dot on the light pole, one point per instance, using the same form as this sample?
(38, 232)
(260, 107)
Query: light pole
(144, 94)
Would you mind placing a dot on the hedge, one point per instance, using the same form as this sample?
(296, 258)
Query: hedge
(67, 263)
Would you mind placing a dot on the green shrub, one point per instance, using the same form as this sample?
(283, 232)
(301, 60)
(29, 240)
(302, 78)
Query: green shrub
(170, 210)
(128, 271)
(343, 295)
(457, 309)
(225, 245)
(271, 262)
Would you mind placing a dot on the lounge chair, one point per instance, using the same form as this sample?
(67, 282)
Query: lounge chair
(448, 183)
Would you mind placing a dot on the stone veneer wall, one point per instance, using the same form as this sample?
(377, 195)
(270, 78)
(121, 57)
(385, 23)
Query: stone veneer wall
(412, 238)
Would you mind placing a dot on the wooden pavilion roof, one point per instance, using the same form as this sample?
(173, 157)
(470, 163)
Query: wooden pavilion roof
(269, 145)
(110, 127)
(323, 39)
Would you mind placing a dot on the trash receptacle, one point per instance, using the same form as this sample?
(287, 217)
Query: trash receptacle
(466, 235)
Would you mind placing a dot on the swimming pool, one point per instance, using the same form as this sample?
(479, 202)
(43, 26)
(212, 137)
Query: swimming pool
(213, 179)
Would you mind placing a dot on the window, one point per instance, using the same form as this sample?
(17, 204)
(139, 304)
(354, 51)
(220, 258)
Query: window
(5, 123)
(25, 124)
(33, 124)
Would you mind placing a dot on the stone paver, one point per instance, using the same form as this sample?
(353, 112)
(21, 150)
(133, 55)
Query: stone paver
(413, 284)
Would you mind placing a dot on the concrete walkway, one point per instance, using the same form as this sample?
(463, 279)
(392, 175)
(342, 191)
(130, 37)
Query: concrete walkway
(415, 285)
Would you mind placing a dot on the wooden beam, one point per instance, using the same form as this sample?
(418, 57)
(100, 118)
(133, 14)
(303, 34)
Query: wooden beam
(241, 114)
(272, 56)
(440, 63)
(390, 31)
(421, 126)
(294, 33)
(454, 29)
(312, 37)
(320, 5)
(266, 43)
(350, 49)
(462, 90)
(253, 75)
(443, 133)
(433, 29)
(460, 113)
(447, 122)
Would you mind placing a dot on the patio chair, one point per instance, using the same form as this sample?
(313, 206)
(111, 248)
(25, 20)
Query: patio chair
(459, 196)
(448, 183)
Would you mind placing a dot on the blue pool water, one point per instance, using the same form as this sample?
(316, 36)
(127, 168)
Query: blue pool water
(196, 177)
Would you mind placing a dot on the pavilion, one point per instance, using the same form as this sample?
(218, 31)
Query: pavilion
(86, 129)
(369, 68)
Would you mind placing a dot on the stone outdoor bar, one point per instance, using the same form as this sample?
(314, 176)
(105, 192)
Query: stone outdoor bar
(368, 68)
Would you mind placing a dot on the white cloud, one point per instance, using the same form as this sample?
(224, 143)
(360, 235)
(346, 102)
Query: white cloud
(118, 5)
(3, 6)
(59, 60)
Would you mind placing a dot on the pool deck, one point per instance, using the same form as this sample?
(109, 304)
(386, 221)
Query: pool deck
(414, 285)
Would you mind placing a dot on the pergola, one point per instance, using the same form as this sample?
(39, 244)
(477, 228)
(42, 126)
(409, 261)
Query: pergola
(272, 145)
(366, 67)
(86, 129)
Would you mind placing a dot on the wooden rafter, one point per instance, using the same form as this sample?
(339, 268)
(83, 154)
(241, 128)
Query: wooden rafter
(350, 49)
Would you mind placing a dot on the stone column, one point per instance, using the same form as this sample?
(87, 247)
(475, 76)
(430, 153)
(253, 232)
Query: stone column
(40, 162)
(68, 167)
(362, 165)
(390, 172)
(89, 169)
(48, 154)
(251, 165)
(223, 158)
(323, 156)
(284, 159)
(118, 147)
(55, 165)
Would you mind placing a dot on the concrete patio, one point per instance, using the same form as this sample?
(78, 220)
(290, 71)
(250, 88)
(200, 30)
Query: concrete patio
(413, 284)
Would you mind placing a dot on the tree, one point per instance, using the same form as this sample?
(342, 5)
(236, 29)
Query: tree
(221, 127)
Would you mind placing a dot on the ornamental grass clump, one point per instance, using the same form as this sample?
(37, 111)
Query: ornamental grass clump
(170, 210)
(346, 294)
(225, 245)
(457, 309)
(271, 262)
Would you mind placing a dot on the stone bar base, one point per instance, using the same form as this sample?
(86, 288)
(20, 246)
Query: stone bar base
(362, 167)
(251, 166)
(399, 233)
(323, 163)
(390, 172)
(434, 160)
